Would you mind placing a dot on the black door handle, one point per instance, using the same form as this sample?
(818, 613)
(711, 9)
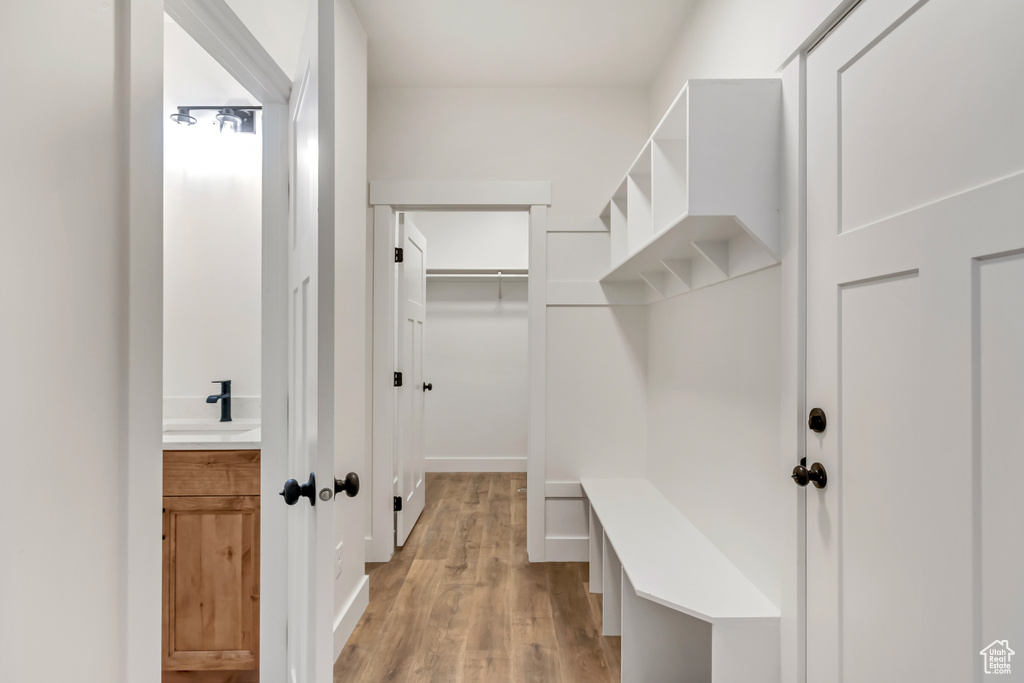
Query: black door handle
(350, 485)
(428, 386)
(293, 490)
(803, 476)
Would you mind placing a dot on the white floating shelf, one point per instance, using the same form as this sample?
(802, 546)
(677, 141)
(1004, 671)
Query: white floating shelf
(700, 203)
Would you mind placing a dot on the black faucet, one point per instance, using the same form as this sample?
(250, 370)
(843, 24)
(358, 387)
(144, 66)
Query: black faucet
(225, 399)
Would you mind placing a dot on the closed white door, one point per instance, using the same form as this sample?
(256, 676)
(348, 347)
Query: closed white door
(915, 348)
(410, 463)
(310, 324)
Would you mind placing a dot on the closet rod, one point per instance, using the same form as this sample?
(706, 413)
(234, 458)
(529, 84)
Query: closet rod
(477, 272)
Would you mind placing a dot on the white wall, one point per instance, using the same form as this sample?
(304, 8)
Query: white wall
(713, 420)
(212, 239)
(742, 39)
(736, 39)
(582, 140)
(476, 346)
(475, 355)
(476, 239)
(64, 350)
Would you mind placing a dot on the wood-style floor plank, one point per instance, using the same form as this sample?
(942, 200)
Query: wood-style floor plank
(460, 602)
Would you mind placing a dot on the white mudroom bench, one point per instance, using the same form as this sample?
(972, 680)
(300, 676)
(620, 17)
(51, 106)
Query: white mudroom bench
(686, 614)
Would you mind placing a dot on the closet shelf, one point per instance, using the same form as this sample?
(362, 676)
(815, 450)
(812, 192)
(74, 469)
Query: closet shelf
(700, 203)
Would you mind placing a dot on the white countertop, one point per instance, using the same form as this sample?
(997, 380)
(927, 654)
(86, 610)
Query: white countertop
(208, 435)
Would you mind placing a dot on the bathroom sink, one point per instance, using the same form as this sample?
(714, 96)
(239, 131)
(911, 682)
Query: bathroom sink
(177, 431)
(209, 431)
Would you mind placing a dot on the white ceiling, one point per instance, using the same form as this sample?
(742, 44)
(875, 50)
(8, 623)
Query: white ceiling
(511, 43)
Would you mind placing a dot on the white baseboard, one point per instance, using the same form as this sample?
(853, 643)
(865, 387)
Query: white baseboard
(346, 622)
(371, 552)
(566, 549)
(480, 464)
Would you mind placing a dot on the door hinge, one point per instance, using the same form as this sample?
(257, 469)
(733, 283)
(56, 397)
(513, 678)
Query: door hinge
(398, 503)
(398, 379)
(399, 255)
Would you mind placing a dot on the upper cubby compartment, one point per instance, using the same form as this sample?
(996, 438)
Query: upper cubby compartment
(701, 202)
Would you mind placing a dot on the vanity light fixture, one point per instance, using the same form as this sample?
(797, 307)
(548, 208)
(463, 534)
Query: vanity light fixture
(231, 119)
(183, 118)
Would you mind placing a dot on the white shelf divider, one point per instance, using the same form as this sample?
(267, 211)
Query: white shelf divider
(639, 219)
(704, 189)
(619, 236)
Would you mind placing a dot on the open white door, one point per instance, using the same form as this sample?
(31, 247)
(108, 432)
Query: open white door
(310, 380)
(915, 347)
(410, 465)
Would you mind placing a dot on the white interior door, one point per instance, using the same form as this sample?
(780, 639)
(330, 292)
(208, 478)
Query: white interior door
(410, 464)
(310, 520)
(915, 348)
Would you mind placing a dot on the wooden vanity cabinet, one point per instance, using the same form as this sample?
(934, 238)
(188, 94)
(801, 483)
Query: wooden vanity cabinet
(211, 573)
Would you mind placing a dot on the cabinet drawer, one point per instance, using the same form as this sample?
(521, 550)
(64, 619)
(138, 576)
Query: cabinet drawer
(211, 473)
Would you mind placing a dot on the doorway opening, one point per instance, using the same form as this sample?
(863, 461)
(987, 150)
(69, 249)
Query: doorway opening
(450, 209)
(476, 352)
(212, 364)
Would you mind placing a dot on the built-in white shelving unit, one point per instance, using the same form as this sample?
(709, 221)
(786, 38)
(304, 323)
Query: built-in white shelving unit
(701, 202)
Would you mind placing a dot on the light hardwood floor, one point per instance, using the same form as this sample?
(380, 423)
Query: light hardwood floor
(460, 602)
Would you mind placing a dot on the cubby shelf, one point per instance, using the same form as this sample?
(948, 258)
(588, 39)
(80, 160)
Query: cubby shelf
(700, 203)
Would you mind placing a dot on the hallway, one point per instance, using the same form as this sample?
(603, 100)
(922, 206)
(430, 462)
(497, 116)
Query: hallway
(460, 602)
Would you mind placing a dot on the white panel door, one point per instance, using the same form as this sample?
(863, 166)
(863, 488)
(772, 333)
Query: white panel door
(410, 464)
(310, 519)
(915, 348)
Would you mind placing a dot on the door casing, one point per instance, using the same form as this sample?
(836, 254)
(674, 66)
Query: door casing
(388, 198)
(213, 25)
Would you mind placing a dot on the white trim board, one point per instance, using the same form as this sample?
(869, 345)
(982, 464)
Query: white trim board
(492, 194)
(220, 32)
(566, 549)
(345, 624)
(477, 464)
(576, 224)
(139, 28)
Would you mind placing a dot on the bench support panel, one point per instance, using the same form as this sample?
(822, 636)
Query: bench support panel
(660, 644)
(611, 604)
(596, 547)
(746, 651)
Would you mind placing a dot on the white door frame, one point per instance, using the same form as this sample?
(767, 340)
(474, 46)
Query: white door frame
(216, 28)
(387, 198)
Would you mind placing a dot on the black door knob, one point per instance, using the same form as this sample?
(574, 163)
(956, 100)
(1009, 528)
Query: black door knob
(816, 420)
(293, 490)
(427, 386)
(803, 476)
(350, 485)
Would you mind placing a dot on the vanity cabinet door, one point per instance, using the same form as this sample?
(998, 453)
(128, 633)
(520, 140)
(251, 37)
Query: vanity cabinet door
(211, 585)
